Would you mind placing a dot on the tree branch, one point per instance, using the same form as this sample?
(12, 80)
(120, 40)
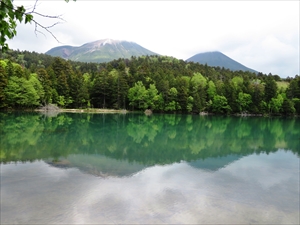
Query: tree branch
(45, 28)
(47, 16)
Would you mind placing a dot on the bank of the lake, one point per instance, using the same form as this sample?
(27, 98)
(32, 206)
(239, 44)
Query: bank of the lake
(86, 110)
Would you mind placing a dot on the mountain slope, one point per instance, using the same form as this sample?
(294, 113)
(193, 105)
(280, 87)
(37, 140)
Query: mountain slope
(104, 50)
(218, 59)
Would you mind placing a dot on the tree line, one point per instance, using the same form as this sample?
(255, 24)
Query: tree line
(159, 83)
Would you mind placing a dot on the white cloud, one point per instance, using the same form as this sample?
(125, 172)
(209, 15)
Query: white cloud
(262, 35)
(253, 188)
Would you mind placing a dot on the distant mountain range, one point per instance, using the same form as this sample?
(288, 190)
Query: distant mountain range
(106, 50)
(218, 59)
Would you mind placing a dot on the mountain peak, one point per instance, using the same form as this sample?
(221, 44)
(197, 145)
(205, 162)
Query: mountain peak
(104, 42)
(218, 59)
(103, 50)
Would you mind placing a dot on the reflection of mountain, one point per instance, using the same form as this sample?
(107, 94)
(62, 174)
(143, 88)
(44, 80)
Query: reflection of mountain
(98, 165)
(214, 163)
(104, 167)
(136, 138)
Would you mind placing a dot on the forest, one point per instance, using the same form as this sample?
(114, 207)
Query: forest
(29, 80)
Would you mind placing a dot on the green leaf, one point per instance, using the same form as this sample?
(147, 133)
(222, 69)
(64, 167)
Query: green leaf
(19, 13)
(28, 18)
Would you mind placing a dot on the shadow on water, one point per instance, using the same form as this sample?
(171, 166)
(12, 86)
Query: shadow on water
(123, 144)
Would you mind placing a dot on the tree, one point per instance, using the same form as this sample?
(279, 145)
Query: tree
(270, 88)
(182, 88)
(220, 105)
(198, 91)
(3, 83)
(137, 96)
(46, 83)
(296, 102)
(99, 90)
(152, 97)
(293, 91)
(84, 97)
(10, 14)
(61, 70)
(76, 89)
(190, 102)
(288, 107)
(37, 85)
(256, 90)
(275, 104)
(211, 90)
(172, 103)
(244, 100)
(20, 92)
(122, 89)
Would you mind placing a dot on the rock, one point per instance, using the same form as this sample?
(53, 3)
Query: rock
(148, 112)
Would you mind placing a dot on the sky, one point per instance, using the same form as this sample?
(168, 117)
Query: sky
(262, 35)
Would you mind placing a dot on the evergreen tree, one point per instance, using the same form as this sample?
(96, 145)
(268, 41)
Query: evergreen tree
(123, 89)
(45, 81)
(270, 88)
(59, 69)
(3, 84)
(183, 92)
(293, 91)
(288, 107)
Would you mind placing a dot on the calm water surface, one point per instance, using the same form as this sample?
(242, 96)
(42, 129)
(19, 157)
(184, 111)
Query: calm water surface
(134, 169)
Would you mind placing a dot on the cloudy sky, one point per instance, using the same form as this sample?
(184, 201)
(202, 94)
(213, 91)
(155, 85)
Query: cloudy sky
(262, 35)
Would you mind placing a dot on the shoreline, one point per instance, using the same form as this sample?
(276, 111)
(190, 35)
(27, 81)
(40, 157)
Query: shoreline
(56, 110)
(123, 111)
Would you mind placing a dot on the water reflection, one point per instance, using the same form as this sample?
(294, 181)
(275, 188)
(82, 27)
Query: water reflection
(162, 169)
(98, 165)
(158, 139)
(257, 189)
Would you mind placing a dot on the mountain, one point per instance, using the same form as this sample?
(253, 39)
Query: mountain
(104, 50)
(218, 59)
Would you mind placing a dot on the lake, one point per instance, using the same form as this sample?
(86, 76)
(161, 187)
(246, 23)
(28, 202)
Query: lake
(160, 169)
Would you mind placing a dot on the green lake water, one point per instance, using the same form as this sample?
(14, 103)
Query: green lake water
(137, 169)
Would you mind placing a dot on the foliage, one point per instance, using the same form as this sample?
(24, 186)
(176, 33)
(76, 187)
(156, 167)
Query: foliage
(159, 83)
(21, 93)
(9, 15)
(138, 96)
(244, 100)
(220, 105)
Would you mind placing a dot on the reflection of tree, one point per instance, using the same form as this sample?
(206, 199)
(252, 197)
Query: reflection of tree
(141, 126)
(138, 138)
(18, 137)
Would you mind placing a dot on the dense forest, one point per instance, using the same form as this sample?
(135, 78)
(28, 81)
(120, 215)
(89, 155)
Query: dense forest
(163, 84)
